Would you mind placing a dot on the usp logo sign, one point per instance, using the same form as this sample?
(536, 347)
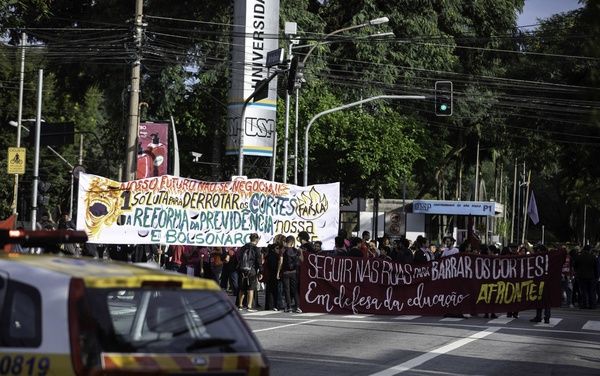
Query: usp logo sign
(16, 161)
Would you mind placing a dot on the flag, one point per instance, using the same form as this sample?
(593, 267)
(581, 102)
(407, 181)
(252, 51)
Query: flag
(532, 210)
(472, 233)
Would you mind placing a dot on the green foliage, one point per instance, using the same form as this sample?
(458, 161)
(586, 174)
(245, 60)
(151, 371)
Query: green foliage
(520, 95)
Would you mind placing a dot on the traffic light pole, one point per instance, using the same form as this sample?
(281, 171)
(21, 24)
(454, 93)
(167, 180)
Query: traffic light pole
(417, 97)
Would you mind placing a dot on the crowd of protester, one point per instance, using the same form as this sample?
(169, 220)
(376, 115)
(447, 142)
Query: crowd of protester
(275, 269)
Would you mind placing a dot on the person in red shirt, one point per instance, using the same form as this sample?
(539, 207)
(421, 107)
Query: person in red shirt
(567, 280)
(216, 262)
(194, 260)
(364, 245)
(175, 254)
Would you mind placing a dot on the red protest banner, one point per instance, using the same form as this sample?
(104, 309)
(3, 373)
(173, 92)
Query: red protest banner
(462, 283)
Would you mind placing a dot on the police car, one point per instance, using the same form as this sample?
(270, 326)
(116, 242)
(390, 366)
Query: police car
(78, 316)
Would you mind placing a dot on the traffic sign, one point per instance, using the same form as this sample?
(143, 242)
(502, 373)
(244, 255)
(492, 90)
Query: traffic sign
(16, 161)
(274, 57)
(78, 170)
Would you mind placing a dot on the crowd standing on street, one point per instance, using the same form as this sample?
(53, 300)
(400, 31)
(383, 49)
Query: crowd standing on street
(244, 271)
(284, 255)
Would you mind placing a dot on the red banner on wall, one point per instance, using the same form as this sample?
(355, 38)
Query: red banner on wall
(153, 150)
(462, 283)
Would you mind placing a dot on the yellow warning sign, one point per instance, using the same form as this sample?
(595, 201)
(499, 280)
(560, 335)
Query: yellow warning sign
(16, 161)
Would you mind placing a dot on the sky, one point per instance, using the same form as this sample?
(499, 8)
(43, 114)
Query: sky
(535, 9)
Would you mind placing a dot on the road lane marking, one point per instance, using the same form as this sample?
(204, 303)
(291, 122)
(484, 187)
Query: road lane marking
(502, 320)
(592, 325)
(260, 313)
(405, 317)
(552, 323)
(283, 326)
(407, 366)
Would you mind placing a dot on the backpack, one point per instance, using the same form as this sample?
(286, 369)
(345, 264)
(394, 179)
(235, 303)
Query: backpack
(246, 262)
(290, 259)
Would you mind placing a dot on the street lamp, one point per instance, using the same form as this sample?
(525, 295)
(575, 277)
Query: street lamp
(352, 39)
(376, 21)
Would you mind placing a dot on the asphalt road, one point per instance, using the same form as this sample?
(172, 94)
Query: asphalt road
(325, 344)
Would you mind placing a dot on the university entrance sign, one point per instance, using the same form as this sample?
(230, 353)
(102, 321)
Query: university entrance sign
(481, 208)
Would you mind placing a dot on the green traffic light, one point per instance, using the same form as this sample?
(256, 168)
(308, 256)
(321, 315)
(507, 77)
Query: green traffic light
(443, 107)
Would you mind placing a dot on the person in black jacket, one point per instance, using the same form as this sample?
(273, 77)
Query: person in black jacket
(249, 270)
(587, 274)
(354, 250)
(273, 299)
(422, 252)
(288, 272)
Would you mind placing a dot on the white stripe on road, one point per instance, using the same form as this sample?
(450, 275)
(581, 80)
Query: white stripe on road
(407, 366)
(591, 325)
(405, 317)
(357, 316)
(261, 313)
(283, 326)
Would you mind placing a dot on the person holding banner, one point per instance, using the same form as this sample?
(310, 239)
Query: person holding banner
(403, 252)
(175, 257)
(449, 251)
(587, 276)
(340, 246)
(288, 272)
(229, 275)
(546, 310)
(567, 280)
(364, 246)
(217, 256)
(305, 243)
(512, 249)
(273, 299)
(194, 260)
(423, 253)
(249, 269)
(449, 248)
(355, 250)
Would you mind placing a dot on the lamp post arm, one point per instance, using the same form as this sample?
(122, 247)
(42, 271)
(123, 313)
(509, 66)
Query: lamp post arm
(330, 34)
(376, 21)
(106, 155)
(60, 156)
(418, 97)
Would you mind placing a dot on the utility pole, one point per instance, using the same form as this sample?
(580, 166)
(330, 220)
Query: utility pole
(19, 119)
(134, 98)
(36, 159)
